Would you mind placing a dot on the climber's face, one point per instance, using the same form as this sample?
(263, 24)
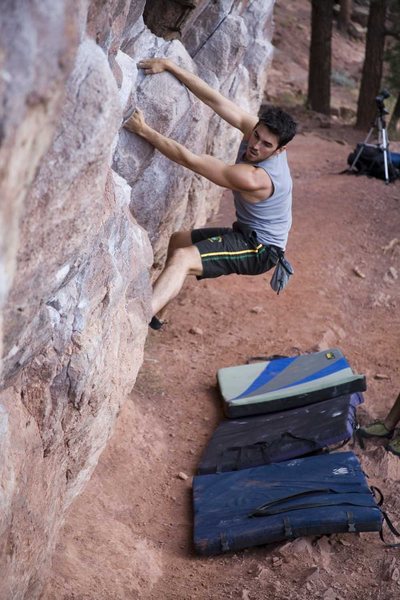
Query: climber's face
(262, 144)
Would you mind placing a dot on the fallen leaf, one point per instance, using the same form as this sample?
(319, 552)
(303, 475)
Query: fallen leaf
(196, 331)
(344, 542)
(391, 245)
(276, 561)
(359, 273)
(256, 310)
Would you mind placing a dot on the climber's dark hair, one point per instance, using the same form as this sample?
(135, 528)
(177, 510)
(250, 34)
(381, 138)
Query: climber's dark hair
(278, 122)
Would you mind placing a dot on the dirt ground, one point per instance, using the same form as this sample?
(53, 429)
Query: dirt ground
(129, 535)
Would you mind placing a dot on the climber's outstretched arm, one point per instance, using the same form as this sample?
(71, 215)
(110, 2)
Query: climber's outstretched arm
(247, 179)
(225, 108)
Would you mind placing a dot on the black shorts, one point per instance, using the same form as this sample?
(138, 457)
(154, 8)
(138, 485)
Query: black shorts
(226, 250)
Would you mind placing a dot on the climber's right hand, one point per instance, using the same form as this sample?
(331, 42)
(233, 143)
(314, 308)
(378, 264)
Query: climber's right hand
(151, 66)
(136, 122)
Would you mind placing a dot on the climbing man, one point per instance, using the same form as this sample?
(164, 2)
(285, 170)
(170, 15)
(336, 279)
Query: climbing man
(261, 184)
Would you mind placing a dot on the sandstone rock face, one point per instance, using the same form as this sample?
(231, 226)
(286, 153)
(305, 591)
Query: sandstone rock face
(85, 209)
(32, 87)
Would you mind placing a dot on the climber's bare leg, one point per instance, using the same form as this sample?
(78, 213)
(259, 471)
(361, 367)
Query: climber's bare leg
(182, 261)
(179, 239)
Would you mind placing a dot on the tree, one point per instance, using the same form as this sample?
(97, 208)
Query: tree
(319, 74)
(393, 60)
(344, 15)
(394, 127)
(373, 64)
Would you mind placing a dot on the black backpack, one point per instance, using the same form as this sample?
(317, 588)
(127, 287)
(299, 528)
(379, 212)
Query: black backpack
(371, 163)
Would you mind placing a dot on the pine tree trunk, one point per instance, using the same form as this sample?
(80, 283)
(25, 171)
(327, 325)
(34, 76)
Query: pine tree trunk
(373, 63)
(344, 15)
(394, 125)
(319, 74)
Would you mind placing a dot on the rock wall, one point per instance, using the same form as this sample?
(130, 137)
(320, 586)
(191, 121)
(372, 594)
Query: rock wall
(85, 210)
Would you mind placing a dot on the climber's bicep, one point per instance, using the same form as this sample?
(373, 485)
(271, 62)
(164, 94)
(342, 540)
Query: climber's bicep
(239, 177)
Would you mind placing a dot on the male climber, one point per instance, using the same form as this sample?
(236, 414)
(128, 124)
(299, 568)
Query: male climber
(261, 184)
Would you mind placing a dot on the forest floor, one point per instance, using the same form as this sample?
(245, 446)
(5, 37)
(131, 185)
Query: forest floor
(129, 535)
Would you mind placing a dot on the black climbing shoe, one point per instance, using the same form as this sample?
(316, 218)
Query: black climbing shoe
(156, 323)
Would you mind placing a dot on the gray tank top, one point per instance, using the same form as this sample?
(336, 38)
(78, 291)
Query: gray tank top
(271, 218)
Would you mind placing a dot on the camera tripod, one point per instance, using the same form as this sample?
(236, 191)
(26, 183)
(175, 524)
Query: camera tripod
(383, 142)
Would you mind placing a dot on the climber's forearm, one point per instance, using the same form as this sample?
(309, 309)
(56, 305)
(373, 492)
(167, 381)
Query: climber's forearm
(245, 178)
(195, 84)
(170, 148)
(224, 107)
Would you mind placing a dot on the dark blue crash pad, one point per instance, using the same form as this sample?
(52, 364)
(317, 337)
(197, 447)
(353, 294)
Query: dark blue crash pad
(263, 439)
(305, 496)
(395, 158)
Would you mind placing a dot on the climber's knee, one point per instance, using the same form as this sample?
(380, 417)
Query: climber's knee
(179, 239)
(188, 259)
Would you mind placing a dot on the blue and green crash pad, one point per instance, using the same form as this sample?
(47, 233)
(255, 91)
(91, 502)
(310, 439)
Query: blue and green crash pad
(276, 437)
(283, 383)
(316, 495)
